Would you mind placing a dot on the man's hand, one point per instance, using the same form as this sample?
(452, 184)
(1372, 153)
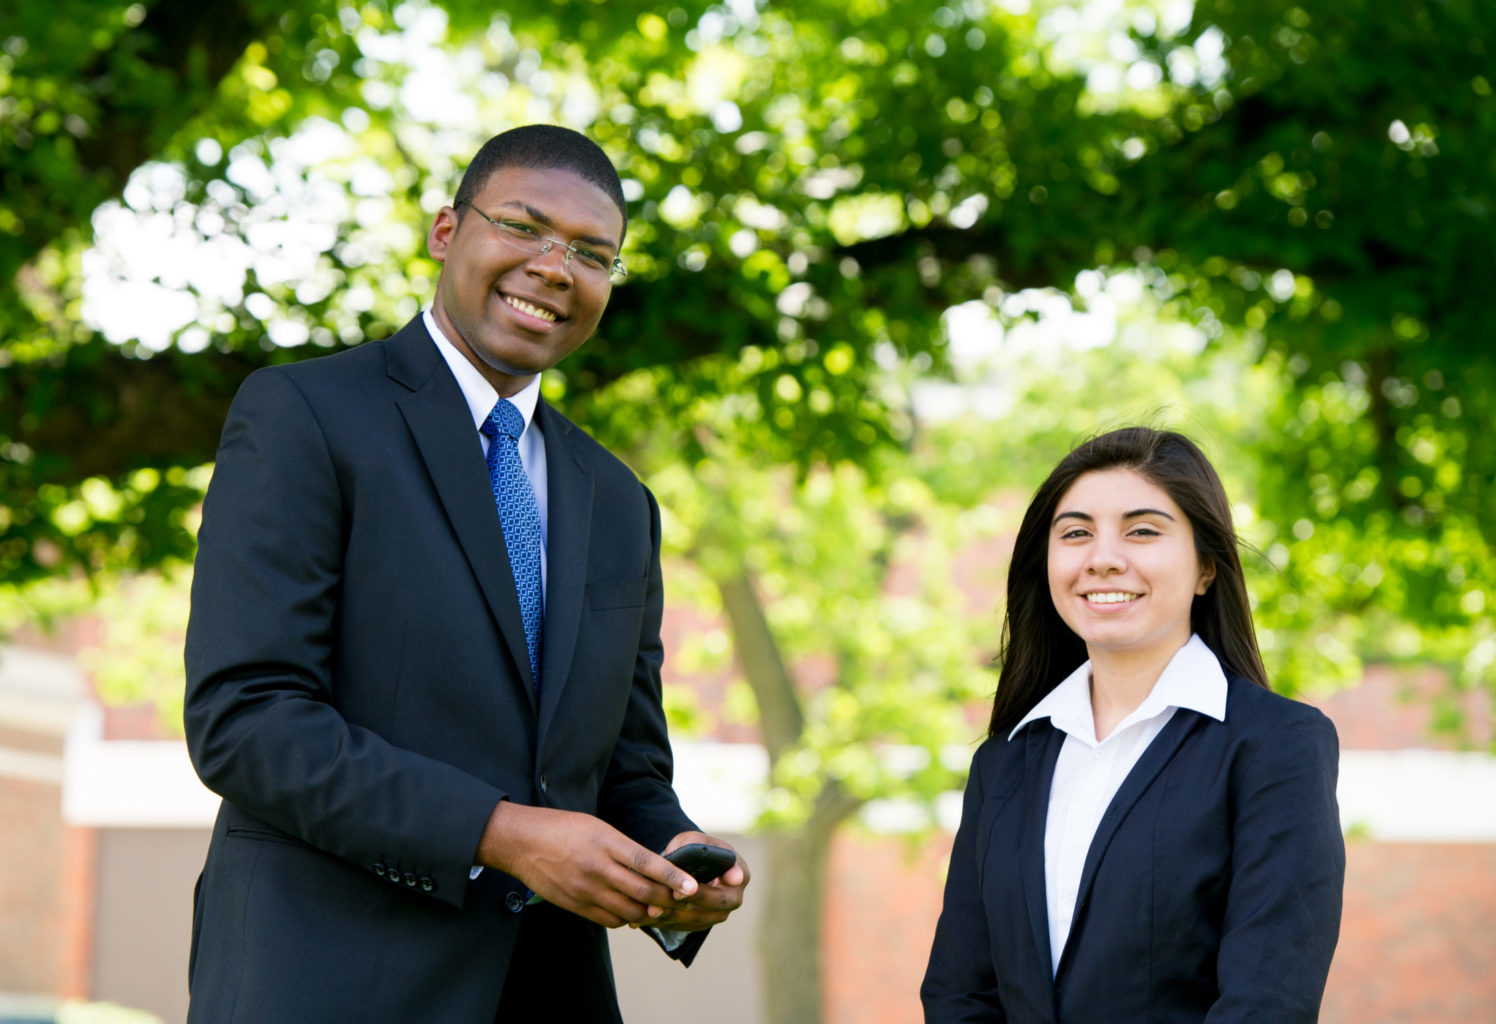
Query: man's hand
(712, 902)
(586, 866)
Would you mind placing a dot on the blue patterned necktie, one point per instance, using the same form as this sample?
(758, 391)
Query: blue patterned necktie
(519, 519)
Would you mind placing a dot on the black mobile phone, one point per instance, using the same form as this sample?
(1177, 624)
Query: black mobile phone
(702, 861)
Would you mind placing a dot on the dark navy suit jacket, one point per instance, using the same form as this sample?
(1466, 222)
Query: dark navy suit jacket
(1211, 891)
(359, 693)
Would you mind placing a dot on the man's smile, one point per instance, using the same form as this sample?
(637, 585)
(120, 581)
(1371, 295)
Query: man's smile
(531, 309)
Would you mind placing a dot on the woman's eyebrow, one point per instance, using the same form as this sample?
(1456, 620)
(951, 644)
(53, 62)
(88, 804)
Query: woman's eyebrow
(1134, 514)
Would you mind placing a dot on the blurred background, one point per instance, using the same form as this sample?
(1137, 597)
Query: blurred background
(888, 261)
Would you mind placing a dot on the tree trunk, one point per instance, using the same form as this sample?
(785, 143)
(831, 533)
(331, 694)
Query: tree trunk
(790, 936)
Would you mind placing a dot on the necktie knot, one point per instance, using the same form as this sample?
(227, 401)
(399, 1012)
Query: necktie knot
(504, 419)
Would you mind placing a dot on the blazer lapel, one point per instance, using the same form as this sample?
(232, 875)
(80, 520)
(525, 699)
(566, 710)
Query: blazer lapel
(1158, 754)
(569, 484)
(1041, 751)
(437, 416)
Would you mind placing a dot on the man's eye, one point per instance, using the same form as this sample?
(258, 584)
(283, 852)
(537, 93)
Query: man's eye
(519, 227)
(596, 260)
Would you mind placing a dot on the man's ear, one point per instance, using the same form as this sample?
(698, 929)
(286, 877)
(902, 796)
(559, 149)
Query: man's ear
(1207, 577)
(439, 238)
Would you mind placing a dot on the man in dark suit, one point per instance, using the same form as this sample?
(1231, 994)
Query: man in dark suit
(424, 654)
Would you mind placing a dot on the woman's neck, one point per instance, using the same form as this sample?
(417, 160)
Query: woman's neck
(1120, 681)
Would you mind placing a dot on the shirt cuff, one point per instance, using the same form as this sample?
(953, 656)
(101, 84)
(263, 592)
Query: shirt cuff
(669, 940)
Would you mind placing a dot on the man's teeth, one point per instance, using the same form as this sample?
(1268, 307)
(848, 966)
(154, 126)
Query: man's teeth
(535, 311)
(1111, 597)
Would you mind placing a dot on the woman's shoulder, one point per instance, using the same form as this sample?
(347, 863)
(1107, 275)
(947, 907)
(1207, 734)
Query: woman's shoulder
(1000, 756)
(1257, 710)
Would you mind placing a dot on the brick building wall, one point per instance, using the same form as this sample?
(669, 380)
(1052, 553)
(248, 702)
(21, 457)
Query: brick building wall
(1417, 939)
(881, 906)
(31, 912)
(46, 866)
(46, 884)
(1418, 936)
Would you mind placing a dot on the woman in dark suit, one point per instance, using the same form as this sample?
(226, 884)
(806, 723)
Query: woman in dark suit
(1148, 833)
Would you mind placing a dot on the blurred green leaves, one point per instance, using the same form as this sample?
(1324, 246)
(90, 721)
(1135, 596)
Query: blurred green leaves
(1303, 188)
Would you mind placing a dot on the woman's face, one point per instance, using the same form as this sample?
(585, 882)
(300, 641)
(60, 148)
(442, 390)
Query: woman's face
(1123, 571)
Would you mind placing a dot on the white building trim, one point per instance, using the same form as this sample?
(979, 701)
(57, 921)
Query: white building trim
(1402, 796)
(1418, 796)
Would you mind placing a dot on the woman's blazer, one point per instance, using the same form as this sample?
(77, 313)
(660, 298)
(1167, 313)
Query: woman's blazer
(1211, 891)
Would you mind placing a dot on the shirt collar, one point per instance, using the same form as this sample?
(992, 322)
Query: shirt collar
(1192, 679)
(480, 394)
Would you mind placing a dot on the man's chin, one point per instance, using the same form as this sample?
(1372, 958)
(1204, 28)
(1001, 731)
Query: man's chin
(519, 359)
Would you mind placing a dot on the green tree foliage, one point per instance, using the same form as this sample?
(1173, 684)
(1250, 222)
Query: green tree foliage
(1304, 190)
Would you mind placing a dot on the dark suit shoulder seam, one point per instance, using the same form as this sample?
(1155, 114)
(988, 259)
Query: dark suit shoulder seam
(1262, 740)
(311, 411)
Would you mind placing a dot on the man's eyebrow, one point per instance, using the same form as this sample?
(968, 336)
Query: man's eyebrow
(541, 218)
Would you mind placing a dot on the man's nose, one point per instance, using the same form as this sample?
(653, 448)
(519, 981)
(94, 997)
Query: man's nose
(552, 263)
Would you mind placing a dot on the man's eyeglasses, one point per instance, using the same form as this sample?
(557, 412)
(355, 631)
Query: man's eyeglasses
(528, 237)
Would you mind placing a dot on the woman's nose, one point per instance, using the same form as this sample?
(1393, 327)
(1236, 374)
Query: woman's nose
(1105, 559)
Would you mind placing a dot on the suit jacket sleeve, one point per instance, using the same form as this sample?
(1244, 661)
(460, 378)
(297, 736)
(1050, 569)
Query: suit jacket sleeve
(262, 726)
(637, 796)
(960, 985)
(1287, 872)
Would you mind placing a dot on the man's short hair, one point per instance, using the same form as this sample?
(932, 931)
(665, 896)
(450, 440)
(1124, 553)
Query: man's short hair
(547, 146)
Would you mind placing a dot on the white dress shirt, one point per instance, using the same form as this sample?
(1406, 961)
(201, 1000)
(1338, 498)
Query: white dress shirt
(481, 397)
(1089, 773)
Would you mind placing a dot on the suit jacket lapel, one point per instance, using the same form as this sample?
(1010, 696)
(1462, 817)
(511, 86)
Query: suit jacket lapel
(1041, 751)
(570, 486)
(1158, 754)
(438, 418)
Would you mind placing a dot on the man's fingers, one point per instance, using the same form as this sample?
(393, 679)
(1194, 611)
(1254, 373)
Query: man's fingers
(602, 904)
(652, 865)
(691, 919)
(583, 865)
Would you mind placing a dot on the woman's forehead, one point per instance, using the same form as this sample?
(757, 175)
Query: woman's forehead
(1117, 490)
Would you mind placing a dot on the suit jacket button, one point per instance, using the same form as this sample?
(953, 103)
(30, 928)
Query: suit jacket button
(379, 870)
(542, 782)
(427, 884)
(393, 874)
(409, 880)
(515, 902)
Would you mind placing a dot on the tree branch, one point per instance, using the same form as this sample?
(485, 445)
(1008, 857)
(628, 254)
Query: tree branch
(780, 716)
